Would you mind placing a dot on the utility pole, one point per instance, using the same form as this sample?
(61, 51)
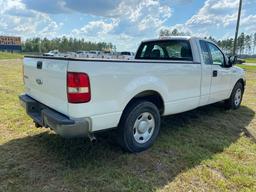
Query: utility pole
(237, 26)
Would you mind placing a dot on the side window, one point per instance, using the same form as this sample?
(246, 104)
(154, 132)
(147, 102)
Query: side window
(217, 55)
(205, 53)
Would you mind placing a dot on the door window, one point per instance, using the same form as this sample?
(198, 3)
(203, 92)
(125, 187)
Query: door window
(216, 54)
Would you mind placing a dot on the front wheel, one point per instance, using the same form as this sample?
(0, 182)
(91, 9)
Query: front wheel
(139, 126)
(236, 97)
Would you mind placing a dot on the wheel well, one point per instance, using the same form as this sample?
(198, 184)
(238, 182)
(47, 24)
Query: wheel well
(151, 96)
(241, 81)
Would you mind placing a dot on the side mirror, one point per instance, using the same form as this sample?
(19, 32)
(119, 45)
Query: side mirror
(231, 61)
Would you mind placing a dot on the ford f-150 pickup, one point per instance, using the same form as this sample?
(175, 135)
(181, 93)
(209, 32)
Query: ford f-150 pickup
(78, 97)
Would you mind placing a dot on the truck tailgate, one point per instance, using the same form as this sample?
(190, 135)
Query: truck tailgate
(45, 81)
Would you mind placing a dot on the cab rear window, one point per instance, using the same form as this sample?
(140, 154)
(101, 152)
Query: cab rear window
(165, 50)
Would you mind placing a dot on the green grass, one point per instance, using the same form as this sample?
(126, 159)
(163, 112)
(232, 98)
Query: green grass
(208, 149)
(4, 55)
(247, 67)
(250, 60)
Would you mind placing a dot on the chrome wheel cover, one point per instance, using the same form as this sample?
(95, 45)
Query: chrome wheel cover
(144, 127)
(238, 97)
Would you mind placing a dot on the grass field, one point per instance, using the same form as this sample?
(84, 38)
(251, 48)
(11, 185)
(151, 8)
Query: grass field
(248, 67)
(250, 60)
(207, 149)
(4, 55)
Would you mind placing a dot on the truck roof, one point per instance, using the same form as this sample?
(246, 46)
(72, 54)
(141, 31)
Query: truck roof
(178, 38)
(173, 38)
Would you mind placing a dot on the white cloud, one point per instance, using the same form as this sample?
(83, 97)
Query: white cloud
(215, 12)
(122, 22)
(16, 19)
(129, 23)
(96, 28)
(249, 23)
(218, 15)
(143, 19)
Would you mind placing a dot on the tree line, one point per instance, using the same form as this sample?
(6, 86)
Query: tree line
(246, 43)
(64, 44)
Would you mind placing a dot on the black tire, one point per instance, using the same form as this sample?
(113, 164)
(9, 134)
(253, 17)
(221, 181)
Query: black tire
(231, 103)
(126, 128)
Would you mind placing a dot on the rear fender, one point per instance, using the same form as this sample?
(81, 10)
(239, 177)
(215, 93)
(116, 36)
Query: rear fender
(142, 84)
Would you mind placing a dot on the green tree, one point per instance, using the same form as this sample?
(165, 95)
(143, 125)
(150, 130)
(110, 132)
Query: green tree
(174, 32)
(254, 42)
(247, 44)
(63, 44)
(241, 43)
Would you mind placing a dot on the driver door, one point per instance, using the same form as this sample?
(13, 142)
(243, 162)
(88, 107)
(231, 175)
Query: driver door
(221, 76)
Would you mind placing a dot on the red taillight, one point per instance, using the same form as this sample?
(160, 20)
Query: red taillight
(78, 87)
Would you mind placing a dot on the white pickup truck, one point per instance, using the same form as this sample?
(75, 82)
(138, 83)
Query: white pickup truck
(78, 97)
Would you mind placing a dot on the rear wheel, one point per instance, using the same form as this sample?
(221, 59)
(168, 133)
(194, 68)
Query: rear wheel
(139, 126)
(236, 97)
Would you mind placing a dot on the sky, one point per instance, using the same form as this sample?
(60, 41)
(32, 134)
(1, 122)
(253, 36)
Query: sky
(124, 23)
